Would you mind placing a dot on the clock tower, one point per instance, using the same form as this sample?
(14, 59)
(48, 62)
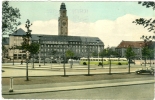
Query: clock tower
(63, 21)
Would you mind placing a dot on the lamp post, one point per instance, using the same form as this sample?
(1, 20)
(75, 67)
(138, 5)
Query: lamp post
(87, 47)
(13, 54)
(44, 52)
(39, 49)
(51, 61)
(64, 56)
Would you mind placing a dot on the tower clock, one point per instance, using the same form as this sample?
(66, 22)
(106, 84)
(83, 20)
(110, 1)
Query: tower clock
(63, 21)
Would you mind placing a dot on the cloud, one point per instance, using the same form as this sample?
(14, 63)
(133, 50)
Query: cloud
(110, 32)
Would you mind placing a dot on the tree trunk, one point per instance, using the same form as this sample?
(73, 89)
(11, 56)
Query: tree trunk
(150, 61)
(88, 66)
(27, 57)
(27, 78)
(102, 61)
(129, 66)
(145, 61)
(33, 60)
(109, 67)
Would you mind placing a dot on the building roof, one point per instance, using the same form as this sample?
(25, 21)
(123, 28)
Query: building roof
(19, 32)
(63, 6)
(35, 37)
(71, 39)
(134, 44)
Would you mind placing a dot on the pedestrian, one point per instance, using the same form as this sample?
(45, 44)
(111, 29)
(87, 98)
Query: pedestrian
(21, 62)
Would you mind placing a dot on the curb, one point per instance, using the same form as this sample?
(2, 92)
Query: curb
(68, 88)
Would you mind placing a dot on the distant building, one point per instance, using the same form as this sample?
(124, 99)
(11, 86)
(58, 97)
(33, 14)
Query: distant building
(136, 46)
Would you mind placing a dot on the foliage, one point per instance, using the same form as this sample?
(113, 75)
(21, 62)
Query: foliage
(9, 18)
(94, 53)
(69, 53)
(129, 52)
(108, 52)
(33, 48)
(147, 23)
(26, 38)
(103, 53)
(148, 4)
(4, 50)
(146, 52)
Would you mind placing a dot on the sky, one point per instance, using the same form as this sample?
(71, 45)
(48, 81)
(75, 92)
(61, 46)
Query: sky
(110, 21)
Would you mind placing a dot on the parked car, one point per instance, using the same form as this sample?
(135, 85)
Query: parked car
(145, 70)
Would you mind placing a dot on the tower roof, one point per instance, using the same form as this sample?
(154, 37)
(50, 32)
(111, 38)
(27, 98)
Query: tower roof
(63, 6)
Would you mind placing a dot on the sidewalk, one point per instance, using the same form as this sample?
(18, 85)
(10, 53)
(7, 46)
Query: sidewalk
(39, 88)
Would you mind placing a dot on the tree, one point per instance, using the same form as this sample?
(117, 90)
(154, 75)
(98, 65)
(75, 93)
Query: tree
(33, 49)
(147, 23)
(146, 52)
(26, 44)
(9, 18)
(128, 54)
(70, 54)
(94, 53)
(4, 51)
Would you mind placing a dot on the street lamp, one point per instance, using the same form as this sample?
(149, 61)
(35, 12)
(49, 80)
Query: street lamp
(87, 47)
(39, 48)
(64, 56)
(44, 52)
(51, 61)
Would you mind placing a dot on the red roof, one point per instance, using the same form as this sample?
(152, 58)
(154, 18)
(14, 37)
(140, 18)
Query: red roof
(134, 44)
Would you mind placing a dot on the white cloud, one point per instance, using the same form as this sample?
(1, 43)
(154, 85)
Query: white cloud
(110, 32)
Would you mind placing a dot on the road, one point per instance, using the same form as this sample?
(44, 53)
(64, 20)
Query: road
(133, 92)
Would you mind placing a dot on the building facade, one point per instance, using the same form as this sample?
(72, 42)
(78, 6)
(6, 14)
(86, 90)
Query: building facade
(79, 45)
(136, 46)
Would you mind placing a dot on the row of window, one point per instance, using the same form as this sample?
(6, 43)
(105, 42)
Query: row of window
(73, 46)
(62, 42)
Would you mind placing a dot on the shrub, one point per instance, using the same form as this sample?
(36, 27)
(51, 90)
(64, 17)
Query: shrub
(119, 63)
(84, 63)
(99, 63)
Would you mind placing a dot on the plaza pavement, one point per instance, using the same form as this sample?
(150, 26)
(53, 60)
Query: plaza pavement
(19, 71)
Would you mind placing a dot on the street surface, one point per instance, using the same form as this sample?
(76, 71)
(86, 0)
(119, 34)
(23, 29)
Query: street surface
(133, 92)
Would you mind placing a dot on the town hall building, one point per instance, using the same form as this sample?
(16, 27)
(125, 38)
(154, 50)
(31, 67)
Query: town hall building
(79, 45)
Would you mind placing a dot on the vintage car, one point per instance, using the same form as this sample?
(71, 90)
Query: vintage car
(145, 70)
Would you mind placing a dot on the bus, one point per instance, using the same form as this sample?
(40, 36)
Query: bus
(106, 61)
